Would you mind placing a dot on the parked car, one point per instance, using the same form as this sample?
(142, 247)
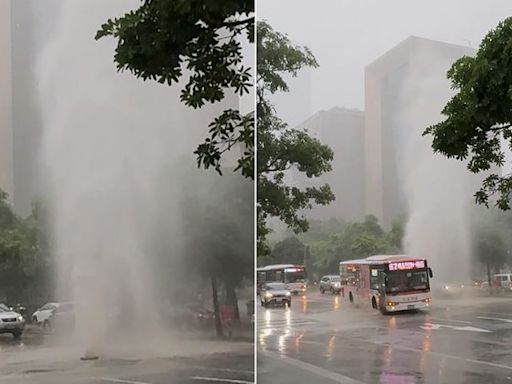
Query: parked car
(502, 281)
(42, 315)
(275, 293)
(330, 283)
(62, 318)
(11, 322)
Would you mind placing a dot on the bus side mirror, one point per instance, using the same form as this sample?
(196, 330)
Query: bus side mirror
(430, 272)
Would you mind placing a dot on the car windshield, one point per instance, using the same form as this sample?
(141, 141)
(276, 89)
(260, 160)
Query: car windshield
(4, 308)
(276, 287)
(335, 279)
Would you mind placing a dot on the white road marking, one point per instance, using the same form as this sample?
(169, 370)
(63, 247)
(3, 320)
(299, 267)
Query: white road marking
(495, 318)
(451, 320)
(431, 326)
(221, 380)
(112, 380)
(497, 313)
(223, 369)
(495, 365)
(336, 377)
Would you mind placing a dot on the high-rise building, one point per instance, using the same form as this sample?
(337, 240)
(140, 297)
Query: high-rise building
(20, 125)
(6, 127)
(342, 130)
(405, 90)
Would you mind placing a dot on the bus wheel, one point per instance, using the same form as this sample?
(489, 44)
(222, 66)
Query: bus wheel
(383, 310)
(322, 291)
(374, 303)
(350, 297)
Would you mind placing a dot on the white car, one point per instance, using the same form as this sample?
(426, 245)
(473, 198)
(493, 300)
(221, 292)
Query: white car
(43, 314)
(330, 283)
(11, 322)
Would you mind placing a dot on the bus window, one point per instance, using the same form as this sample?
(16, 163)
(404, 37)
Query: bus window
(374, 278)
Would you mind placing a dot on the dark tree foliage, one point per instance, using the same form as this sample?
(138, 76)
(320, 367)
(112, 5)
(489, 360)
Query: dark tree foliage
(480, 113)
(163, 40)
(24, 255)
(281, 148)
(289, 251)
(335, 243)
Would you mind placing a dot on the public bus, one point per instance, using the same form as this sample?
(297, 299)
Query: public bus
(293, 275)
(388, 283)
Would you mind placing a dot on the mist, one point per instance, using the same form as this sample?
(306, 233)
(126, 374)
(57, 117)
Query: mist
(118, 168)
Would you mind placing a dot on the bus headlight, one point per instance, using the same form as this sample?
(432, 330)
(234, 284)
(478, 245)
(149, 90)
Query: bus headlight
(391, 303)
(268, 295)
(288, 294)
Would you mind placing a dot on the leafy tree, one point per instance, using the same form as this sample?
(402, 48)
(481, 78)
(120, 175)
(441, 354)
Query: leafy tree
(480, 113)
(289, 251)
(161, 38)
(280, 148)
(24, 256)
(490, 231)
(397, 232)
(7, 217)
(322, 230)
(220, 236)
(355, 240)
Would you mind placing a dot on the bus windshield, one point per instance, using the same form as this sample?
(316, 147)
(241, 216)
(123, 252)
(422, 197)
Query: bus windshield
(404, 281)
(295, 277)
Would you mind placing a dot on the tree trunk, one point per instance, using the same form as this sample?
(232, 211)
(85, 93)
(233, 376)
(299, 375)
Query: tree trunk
(218, 321)
(233, 300)
(489, 277)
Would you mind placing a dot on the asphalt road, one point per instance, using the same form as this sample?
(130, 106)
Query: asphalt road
(44, 359)
(323, 339)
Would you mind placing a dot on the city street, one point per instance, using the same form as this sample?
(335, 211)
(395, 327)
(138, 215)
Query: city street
(324, 339)
(43, 360)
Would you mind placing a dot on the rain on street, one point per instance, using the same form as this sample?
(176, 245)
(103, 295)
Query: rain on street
(326, 339)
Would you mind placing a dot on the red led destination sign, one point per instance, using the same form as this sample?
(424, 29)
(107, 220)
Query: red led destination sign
(294, 269)
(405, 265)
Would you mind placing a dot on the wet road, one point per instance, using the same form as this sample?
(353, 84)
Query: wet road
(324, 339)
(39, 359)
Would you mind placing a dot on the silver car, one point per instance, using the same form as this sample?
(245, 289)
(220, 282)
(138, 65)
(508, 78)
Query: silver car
(11, 322)
(275, 293)
(330, 283)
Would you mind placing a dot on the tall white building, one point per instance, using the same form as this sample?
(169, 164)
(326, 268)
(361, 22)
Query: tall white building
(342, 130)
(405, 90)
(6, 127)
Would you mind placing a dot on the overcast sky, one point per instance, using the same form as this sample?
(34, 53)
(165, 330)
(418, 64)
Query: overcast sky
(346, 35)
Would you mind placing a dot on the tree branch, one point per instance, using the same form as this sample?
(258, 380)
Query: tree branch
(238, 22)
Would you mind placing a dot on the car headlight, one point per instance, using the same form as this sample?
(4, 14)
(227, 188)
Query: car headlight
(20, 318)
(288, 294)
(446, 287)
(268, 295)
